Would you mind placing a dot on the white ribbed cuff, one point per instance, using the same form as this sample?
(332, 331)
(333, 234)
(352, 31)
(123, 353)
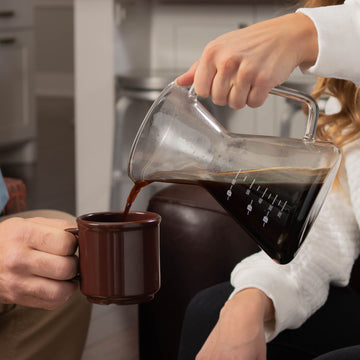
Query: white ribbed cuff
(271, 278)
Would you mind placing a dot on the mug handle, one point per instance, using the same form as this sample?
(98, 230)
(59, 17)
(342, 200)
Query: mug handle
(293, 94)
(75, 232)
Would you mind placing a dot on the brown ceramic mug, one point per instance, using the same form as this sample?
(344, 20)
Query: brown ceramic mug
(119, 258)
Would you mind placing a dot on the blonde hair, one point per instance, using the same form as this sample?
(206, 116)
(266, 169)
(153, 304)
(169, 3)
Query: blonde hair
(343, 127)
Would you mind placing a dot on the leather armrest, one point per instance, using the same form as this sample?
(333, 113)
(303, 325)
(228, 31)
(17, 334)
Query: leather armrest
(200, 245)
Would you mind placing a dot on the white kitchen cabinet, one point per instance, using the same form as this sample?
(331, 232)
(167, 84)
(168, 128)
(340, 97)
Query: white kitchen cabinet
(16, 14)
(16, 104)
(179, 33)
(17, 116)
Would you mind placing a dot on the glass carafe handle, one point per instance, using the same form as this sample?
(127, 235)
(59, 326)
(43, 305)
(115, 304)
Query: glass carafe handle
(295, 95)
(312, 105)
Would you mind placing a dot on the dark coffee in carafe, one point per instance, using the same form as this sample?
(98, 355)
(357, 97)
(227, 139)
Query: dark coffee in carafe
(278, 226)
(274, 206)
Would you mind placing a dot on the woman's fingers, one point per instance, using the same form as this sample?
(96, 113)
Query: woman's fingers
(223, 82)
(204, 76)
(238, 96)
(257, 96)
(187, 78)
(242, 66)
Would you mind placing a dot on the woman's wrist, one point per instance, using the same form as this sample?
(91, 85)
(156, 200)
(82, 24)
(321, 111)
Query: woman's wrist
(306, 39)
(256, 302)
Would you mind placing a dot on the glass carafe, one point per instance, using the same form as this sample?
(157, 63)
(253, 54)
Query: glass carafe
(273, 187)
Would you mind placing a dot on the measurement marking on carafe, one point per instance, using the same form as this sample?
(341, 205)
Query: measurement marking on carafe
(236, 176)
(266, 218)
(258, 188)
(279, 214)
(233, 182)
(261, 199)
(248, 191)
(252, 184)
(249, 207)
(271, 206)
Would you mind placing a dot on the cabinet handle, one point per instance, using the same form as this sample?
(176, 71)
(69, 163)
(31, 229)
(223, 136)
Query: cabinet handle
(7, 41)
(5, 14)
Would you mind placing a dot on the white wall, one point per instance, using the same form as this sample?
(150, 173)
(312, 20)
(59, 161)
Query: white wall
(132, 35)
(94, 102)
(54, 46)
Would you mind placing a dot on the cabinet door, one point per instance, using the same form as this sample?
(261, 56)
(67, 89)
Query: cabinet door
(17, 121)
(16, 13)
(180, 33)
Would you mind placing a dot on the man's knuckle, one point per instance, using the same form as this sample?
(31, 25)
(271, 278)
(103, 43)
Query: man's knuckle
(14, 261)
(12, 284)
(55, 294)
(68, 247)
(65, 269)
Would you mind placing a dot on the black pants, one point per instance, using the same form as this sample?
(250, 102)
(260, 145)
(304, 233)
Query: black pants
(333, 332)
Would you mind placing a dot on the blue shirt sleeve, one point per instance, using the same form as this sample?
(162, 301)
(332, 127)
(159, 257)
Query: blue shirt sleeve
(4, 195)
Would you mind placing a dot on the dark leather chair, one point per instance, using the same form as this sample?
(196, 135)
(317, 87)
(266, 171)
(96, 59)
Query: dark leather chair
(200, 245)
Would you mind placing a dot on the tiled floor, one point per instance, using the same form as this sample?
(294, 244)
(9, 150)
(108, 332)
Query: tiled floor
(113, 333)
(50, 184)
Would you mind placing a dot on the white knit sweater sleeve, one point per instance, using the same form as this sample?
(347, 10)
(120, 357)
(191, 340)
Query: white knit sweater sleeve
(338, 29)
(299, 288)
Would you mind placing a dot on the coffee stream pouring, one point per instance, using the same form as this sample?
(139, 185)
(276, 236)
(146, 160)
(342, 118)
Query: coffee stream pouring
(273, 187)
